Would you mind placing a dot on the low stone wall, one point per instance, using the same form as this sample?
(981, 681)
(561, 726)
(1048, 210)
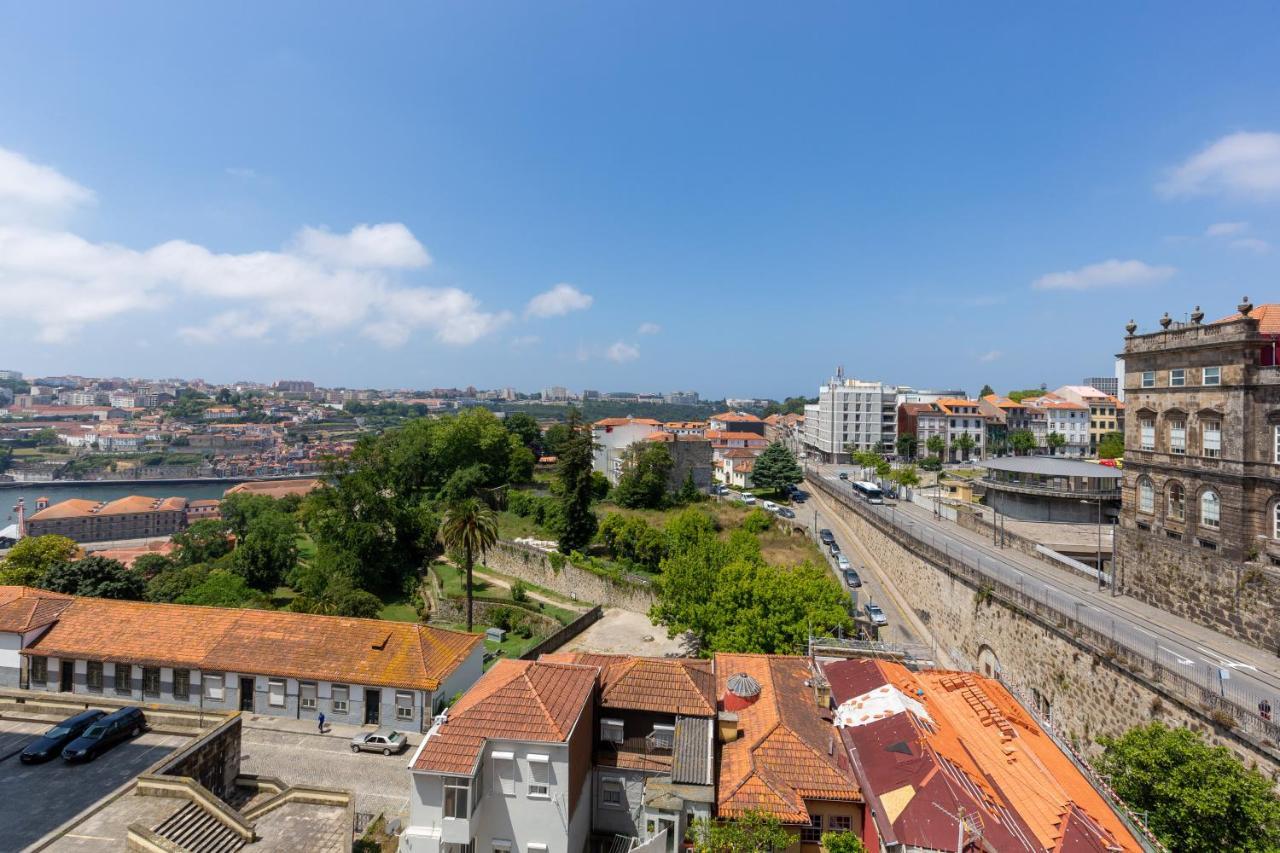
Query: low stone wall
(1237, 599)
(213, 760)
(1086, 689)
(630, 592)
(565, 634)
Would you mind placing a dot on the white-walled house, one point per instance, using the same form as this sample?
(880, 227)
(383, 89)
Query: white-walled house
(612, 436)
(299, 665)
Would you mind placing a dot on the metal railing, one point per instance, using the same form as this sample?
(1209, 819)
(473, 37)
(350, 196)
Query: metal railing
(1228, 702)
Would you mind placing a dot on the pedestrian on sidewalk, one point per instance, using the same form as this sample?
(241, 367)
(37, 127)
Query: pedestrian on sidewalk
(322, 722)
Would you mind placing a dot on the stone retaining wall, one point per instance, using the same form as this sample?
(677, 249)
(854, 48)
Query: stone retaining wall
(630, 592)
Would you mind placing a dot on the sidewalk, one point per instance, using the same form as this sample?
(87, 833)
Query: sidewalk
(341, 731)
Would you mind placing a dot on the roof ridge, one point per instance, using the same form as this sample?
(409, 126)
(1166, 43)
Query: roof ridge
(538, 697)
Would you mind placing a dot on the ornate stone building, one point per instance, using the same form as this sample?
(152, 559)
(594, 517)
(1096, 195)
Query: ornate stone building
(1200, 524)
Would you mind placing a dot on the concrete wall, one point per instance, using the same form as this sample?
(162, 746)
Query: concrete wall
(535, 566)
(213, 761)
(1086, 691)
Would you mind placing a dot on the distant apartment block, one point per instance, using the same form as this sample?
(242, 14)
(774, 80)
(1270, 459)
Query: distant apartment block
(294, 386)
(850, 414)
(555, 394)
(681, 398)
(10, 375)
(1105, 384)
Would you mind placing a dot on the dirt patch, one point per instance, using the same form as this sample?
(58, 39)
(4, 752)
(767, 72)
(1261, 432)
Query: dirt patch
(624, 632)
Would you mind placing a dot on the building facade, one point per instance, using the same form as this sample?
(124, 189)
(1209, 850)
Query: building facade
(850, 414)
(134, 517)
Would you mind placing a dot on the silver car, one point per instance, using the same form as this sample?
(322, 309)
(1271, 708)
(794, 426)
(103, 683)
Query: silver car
(385, 741)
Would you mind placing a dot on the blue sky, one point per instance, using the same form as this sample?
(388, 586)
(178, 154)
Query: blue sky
(638, 196)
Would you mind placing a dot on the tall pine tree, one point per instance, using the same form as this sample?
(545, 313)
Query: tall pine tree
(574, 472)
(775, 469)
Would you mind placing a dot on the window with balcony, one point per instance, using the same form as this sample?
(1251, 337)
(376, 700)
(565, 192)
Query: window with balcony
(1212, 439)
(1146, 497)
(1148, 379)
(1178, 437)
(1147, 430)
(1210, 509)
(1177, 502)
(457, 797)
(1212, 376)
(540, 771)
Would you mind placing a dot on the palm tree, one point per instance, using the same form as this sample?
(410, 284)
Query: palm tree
(965, 442)
(471, 527)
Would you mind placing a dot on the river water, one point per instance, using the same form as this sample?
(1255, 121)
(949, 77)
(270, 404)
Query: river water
(57, 492)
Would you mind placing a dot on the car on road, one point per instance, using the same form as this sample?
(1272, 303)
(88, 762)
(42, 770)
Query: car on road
(876, 615)
(748, 498)
(826, 536)
(851, 579)
(50, 744)
(842, 562)
(799, 496)
(385, 741)
(834, 548)
(770, 506)
(844, 475)
(785, 512)
(105, 733)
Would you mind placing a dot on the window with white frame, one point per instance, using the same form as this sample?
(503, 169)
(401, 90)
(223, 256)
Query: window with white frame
(1212, 376)
(612, 731)
(181, 683)
(1211, 439)
(275, 692)
(404, 705)
(338, 701)
(1177, 378)
(1147, 429)
(663, 736)
(1148, 379)
(504, 773)
(1177, 508)
(307, 695)
(93, 675)
(124, 678)
(457, 796)
(1275, 521)
(214, 686)
(613, 794)
(1210, 509)
(1276, 442)
(1178, 437)
(1146, 497)
(540, 776)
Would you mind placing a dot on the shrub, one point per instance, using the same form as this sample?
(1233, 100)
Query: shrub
(757, 521)
(519, 592)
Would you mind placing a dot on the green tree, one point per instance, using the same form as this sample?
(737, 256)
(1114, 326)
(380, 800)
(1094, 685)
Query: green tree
(221, 588)
(1022, 441)
(525, 427)
(753, 832)
(776, 468)
(907, 445)
(1056, 441)
(1111, 446)
(842, 842)
(965, 443)
(688, 493)
(646, 465)
(1197, 797)
(203, 541)
(469, 527)
(268, 551)
(32, 556)
(573, 472)
(150, 565)
(95, 577)
(986, 391)
(936, 444)
(172, 583)
(555, 439)
(240, 508)
(905, 476)
(337, 597)
(633, 540)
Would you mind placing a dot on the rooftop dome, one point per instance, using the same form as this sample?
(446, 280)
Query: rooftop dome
(742, 690)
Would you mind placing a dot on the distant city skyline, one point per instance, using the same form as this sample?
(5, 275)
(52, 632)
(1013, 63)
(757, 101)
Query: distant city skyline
(614, 197)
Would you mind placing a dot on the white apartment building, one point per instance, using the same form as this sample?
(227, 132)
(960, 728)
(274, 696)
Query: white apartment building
(612, 436)
(1067, 419)
(850, 412)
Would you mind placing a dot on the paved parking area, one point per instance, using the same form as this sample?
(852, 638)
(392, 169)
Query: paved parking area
(378, 783)
(36, 798)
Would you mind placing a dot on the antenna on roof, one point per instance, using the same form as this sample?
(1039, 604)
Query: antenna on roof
(968, 827)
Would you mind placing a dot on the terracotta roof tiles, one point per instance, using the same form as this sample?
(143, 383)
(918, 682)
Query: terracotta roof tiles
(682, 686)
(23, 608)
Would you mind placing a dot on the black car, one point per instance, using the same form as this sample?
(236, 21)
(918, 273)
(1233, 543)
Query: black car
(851, 578)
(51, 743)
(826, 536)
(106, 733)
(799, 497)
(834, 546)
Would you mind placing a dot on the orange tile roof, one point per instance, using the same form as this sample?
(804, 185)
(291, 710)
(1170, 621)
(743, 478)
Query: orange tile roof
(23, 608)
(71, 508)
(262, 642)
(128, 556)
(614, 422)
(1268, 317)
(782, 754)
(682, 686)
(739, 453)
(276, 488)
(131, 505)
(517, 700)
(740, 417)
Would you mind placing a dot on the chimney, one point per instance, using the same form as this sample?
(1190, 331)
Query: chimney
(727, 726)
(821, 692)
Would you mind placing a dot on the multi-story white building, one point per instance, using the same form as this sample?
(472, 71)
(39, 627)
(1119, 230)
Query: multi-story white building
(611, 438)
(850, 413)
(1067, 419)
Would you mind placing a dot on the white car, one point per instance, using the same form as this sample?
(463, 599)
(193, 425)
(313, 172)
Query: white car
(748, 498)
(770, 506)
(843, 562)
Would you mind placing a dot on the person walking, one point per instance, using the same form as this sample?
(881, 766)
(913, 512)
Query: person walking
(322, 722)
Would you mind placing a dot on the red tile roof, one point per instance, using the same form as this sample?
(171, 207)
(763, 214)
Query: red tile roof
(516, 700)
(682, 686)
(616, 422)
(1268, 317)
(23, 608)
(740, 417)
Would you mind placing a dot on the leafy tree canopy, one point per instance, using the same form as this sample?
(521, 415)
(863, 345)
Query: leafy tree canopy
(268, 551)
(97, 577)
(221, 588)
(936, 444)
(1111, 446)
(172, 583)
(753, 832)
(203, 541)
(776, 468)
(525, 427)
(789, 406)
(842, 842)
(32, 556)
(986, 391)
(576, 486)
(643, 483)
(1198, 797)
(1022, 440)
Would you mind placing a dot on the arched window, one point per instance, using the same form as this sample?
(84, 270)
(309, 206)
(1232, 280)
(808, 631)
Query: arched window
(1210, 509)
(1275, 520)
(1177, 508)
(1146, 496)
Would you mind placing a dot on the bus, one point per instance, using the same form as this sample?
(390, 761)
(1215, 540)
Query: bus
(869, 492)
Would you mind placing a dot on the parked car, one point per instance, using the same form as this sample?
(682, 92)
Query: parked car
(834, 548)
(826, 536)
(50, 744)
(799, 496)
(785, 512)
(851, 579)
(770, 506)
(748, 498)
(876, 615)
(844, 475)
(842, 562)
(385, 741)
(105, 733)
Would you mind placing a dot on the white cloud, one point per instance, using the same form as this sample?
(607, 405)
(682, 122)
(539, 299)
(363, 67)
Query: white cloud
(992, 355)
(558, 301)
(1225, 229)
(623, 352)
(30, 192)
(59, 284)
(1252, 244)
(648, 329)
(1239, 164)
(1110, 273)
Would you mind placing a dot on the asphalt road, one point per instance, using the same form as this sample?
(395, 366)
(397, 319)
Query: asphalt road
(1241, 673)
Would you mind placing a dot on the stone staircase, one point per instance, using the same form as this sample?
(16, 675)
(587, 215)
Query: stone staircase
(192, 828)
